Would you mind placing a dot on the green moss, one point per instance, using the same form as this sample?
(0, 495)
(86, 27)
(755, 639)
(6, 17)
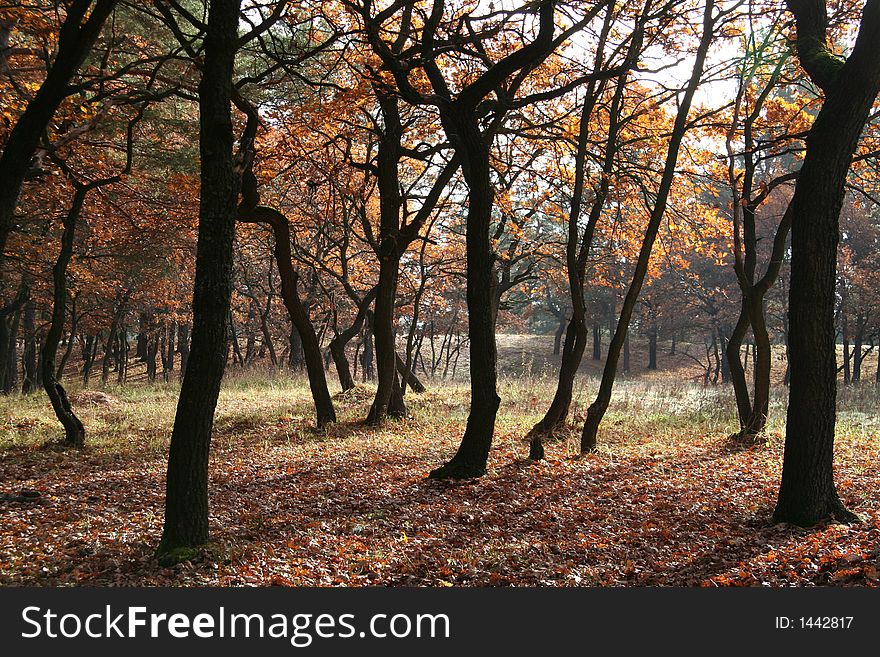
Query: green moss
(173, 556)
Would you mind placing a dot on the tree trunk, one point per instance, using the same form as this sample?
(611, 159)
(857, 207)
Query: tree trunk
(473, 453)
(29, 383)
(340, 342)
(383, 332)
(91, 349)
(368, 372)
(297, 312)
(735, 364)
(652, 347)
(411, 379)
(9, 339)
(557, 337)
(68, 348)
(186, 498)
(168, 364)
(807, 493)
(74, 431)
(762, 363)
(577, 252)
(143, 337)
(597, 409)
(183, 347)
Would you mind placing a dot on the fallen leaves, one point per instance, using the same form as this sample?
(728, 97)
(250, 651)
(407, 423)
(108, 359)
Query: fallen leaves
(352, 507)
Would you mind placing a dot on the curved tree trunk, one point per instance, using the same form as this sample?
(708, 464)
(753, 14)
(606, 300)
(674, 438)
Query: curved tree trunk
(299, 317)
(74, 431)
(597, 409)
(577, 252)
(340, 341)
(733, 353)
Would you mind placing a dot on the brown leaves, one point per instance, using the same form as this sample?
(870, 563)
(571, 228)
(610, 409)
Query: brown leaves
(352, 507)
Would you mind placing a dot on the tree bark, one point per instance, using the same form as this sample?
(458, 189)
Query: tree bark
(299, 316)
(339, 343)
(578, 247)
(470, 460)
(186, 491)
(29, 383)
(807, 493)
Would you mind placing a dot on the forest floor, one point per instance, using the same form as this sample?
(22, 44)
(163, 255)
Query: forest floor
(666, 501)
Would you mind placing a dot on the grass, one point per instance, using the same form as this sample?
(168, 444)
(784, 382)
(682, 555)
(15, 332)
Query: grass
(251, 403)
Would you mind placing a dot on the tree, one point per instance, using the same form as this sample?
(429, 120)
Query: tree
(76, 37)
(470, 122)
(579, 242)
(597, 409)
(807, 493)
(186, 491)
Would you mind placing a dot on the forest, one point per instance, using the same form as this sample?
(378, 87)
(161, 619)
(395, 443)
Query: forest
(440, 292)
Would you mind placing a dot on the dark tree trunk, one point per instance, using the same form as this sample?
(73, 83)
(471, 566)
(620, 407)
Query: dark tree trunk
(343, 367)
(626, 355)
(340, 342)
(725, 369)
(412, 381)
(857, 352)
(74, 431)
(473, 453)
(9, 339)
(183, 347)
(122, 355)
(577, 252)
(716, 355)
(557, 337)
(152, 353)
(597, 341)
(652, 347)
(383, 332)
(388, 252)
(368, 373)
(299, 316)
(9, 345)
(295, 359)
(143, 337)
(68, 347)
(597, 409)
(186, 498)
(91, 353)
(267, 343)
(168, 364)
(807, 493)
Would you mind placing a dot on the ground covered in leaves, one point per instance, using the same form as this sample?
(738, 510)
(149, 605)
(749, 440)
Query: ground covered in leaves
(667, 501)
